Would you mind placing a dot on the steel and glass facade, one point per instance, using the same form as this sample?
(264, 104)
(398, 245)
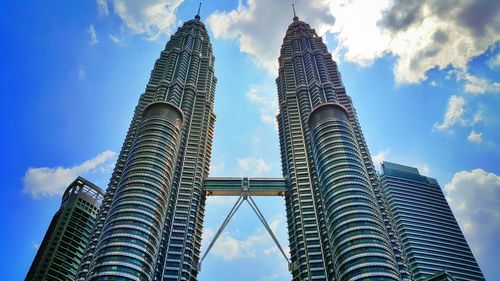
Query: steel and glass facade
(150, 223)
(330, 239)
(131, 235)
(430, 235)
(64, 243)
(360, 245)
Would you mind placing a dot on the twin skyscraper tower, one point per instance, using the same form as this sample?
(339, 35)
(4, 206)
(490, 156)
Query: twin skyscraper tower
(150, 223)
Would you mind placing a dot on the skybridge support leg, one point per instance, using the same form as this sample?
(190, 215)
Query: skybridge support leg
(259, 214)
(245, 196)
(221, 228)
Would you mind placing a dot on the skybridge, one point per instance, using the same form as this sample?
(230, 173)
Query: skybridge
(230, 186)
(245, 188)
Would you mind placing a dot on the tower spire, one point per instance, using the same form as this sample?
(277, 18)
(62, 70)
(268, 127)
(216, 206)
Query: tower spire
(295, 18)
(198, 14)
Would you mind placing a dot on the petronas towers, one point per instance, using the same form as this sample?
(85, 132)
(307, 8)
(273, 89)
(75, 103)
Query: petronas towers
(150, 223)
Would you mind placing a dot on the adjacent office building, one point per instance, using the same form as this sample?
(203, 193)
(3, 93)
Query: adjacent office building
(149, 226)
(431, 237)
(69, 231)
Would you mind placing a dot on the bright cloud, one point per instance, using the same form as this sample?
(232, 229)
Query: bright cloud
(229, 248)
(457, 114)
(424, 169)
(438, 33)
(265, 99)
(474, 197)
(260, 25)
(475, 137)
(380, 156)
(93, 35)
(260, 243)
(102, 7)
(494, 62)
(420, 36)
(216, 168)
(254, 166)
(115, 39)
(359, 37)
(478, 85)
(151, 17)
(478, 117)
(81, 73)
(45, 181)
(221, 200)
(454, 113)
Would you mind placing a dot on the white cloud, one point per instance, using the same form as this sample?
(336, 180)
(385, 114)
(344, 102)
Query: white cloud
(229, 248)
(102, 7)
(457, 114)
(81, 73)
(380, 157)
(93, 35)
(259, 26)
(221, 200)
(494, 62)
(421, 36)
(254, 166)
(266, 100)
(454, 113)
(45, 181)
(474, 197)
(216, 169)
(260, 243)
(359, 37)
(475, 137)
(478, 85)
(424, 169)
(478, 117)
(150, 17)
(115, 39)
(35, 245)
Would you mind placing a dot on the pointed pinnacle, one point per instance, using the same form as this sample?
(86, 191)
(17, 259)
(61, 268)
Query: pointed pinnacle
(198, 13)
(295, 18)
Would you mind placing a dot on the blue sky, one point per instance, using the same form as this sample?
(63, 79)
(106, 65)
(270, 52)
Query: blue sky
(424, 78)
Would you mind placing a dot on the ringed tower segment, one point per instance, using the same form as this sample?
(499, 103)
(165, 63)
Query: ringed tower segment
(359, 242)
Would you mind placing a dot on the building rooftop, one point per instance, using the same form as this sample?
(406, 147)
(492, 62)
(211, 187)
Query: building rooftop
(398, 167)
